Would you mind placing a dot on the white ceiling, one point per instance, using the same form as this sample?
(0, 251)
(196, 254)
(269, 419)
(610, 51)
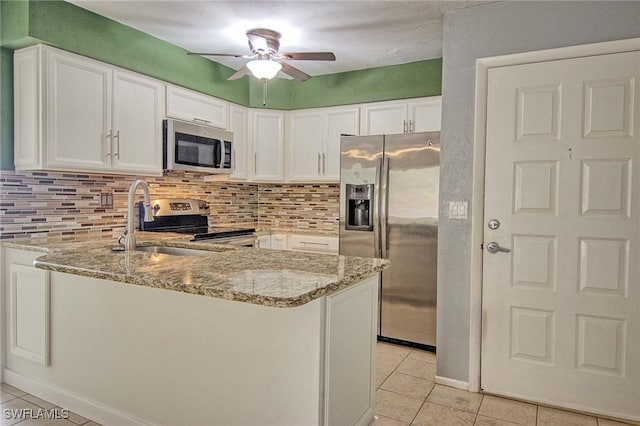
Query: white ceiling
(362, 34)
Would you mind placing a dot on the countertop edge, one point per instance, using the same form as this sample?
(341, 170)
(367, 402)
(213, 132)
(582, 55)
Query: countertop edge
(270, 301)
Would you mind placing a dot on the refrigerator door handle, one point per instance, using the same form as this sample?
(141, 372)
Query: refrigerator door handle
(376, 209)
(384, 208)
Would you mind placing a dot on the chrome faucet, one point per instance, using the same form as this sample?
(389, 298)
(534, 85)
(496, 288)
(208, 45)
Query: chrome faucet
(128, 236)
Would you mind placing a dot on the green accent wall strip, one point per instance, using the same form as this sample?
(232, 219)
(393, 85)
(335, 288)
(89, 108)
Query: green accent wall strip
(14, 21)
(6, 109)
(412, 80)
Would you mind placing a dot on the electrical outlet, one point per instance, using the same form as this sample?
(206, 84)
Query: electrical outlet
(458, 210)
(106, 199)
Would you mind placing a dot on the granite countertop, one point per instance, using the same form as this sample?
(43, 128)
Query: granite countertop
(261, 276)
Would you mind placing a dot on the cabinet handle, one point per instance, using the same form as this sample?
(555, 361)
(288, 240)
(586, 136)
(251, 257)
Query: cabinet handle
(255, 163)
(324, 164)
(234, 160)
(318, 163)
(404, 126)
(110, 141)
(117, 137)
(202, 120)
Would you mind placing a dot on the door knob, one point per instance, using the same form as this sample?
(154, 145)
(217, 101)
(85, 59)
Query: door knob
(494, 247)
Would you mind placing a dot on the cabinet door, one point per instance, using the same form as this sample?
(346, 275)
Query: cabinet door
(313, 244)
(188, 105)
(239, 127)
(425, 115)
(305, 148)
(27, 132)
(339, 121)
(78, 113)
(279, 242)
(268, 145)
(28, 306)
(263, 241)
(384, 118)
(137, 123)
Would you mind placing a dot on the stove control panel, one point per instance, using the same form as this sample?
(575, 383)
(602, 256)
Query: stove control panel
(179, 207)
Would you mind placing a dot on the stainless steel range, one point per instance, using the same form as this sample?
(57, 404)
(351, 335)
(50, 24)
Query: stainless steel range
(191, 216)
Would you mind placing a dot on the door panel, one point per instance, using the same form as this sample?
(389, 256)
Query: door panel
(137, 114)
(409, 285)
(305, 146)
(79, 113)
(358, 163)
(561, 322)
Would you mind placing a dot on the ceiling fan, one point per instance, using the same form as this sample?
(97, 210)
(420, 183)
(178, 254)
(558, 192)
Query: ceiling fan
(267, 61)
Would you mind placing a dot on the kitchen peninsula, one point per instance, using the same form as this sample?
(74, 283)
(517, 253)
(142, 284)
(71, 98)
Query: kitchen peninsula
(222, 336)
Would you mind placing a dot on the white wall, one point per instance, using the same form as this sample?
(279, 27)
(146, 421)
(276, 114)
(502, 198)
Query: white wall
(483, 31)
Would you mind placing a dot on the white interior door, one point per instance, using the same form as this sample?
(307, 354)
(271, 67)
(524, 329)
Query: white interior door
(561, 310)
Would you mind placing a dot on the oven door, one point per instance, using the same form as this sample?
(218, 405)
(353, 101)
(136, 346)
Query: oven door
(243, 241)
(197, 148)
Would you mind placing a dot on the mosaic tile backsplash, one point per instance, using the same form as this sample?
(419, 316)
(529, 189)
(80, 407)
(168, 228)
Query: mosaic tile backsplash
(62, 205)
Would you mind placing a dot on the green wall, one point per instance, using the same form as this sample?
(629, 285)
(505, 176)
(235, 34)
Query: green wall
(66, 26)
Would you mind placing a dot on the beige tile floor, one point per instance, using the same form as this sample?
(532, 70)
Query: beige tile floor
(29, 406)
(407, 395)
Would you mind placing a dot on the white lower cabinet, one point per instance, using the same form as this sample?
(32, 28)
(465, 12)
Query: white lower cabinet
(313, 244)
(111, 336)
(78, 114)
(263, 241)
(27, 306)
(279, 241)
(300, 242)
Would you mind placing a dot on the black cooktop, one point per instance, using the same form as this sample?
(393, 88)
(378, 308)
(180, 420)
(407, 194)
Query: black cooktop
(195, 224)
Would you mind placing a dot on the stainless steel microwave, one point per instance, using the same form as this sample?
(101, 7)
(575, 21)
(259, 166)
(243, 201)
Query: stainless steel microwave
(197, 148)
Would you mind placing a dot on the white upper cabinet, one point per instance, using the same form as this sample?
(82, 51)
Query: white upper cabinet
(340, 121)
(313, 136)
(268, 145)
(137, 114)
(384, 118)
(305, 145)
(78, 119)
(416, 115)
(77, 114)
(425, 115)
(187, 105)
(239, 126)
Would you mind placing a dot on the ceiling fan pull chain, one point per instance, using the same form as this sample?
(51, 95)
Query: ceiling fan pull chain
(264, 91)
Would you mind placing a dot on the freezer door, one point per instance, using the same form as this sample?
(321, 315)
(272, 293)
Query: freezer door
(408, 290)
(359, 159)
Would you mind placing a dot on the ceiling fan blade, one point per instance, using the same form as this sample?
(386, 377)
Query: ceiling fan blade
(294, 72)
(239, 74)
(233, 55)
(309, 56)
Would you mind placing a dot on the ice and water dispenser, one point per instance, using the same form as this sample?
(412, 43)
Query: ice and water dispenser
(359, 206)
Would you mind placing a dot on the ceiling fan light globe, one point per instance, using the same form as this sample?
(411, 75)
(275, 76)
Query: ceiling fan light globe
(264, 69)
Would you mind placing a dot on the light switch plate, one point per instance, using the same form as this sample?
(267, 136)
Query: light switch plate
(458, 210)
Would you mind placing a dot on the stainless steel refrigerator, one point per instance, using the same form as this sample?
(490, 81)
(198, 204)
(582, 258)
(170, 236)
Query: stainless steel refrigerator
(389, 209)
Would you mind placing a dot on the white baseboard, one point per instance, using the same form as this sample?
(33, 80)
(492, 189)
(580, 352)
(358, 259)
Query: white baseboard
(452, 383)
(77, 404)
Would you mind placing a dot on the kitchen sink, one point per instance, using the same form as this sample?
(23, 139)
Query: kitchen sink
(175, 251)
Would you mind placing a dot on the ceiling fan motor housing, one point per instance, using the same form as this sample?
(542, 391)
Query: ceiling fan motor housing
(272, 39)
